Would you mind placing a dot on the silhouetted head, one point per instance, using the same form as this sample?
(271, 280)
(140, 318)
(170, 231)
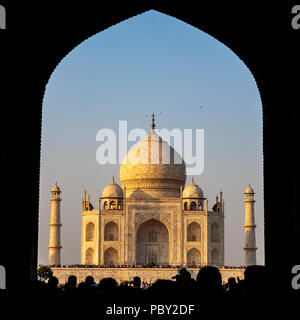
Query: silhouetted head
(89, 280)
(184, 273)
(163, 285)
(136, 282)
(232, 282)
(209, 279)
(183, 278)
(257, 278)
(52, 283)
(72, 281)
(107, 284)
(163, 290)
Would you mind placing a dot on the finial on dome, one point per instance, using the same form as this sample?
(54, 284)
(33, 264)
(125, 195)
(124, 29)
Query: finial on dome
(113, 178)
(153, 123)
(193, 179)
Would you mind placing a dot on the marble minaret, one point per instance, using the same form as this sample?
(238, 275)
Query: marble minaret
(250, 243)
(54, 239)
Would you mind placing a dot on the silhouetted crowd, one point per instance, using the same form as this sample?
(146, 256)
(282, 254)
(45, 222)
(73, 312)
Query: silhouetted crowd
(207, 291)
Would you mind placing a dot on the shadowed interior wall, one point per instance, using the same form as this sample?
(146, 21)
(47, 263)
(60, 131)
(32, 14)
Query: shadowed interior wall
(193, 257)
(152, 243)
(193, 232)
(111, 257)
(111, 232)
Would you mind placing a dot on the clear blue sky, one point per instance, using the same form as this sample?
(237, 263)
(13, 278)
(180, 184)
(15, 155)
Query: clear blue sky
(151, 63)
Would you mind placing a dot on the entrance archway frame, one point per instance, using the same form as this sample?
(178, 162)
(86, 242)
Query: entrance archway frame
(260, 47)
(170, 246)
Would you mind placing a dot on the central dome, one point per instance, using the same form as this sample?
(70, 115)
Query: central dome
(153, 168)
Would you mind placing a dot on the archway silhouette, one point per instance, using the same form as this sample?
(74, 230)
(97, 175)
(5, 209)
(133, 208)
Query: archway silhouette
(97, 39)
(61, 68)
(214, 23)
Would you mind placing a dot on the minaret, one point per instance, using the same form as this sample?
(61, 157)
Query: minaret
(54, 240)
(250, 245)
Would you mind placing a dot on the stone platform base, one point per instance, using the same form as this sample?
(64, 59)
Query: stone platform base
(149, 275)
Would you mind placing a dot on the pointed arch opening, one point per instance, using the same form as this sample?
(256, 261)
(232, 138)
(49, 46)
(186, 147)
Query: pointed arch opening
(193, 205)
(215, 257)
(194, 232)
(153, 237)
(111, 257)
(90, 232)
(152, 243)
(89, 256)
(214, 233)
(111, 232)
(193, 257)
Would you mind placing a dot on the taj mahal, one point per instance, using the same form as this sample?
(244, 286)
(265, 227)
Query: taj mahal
(152, 217)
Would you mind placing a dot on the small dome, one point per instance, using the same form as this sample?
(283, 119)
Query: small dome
(249, 190)
(55, 188)
(192, 191)
(112, 190)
